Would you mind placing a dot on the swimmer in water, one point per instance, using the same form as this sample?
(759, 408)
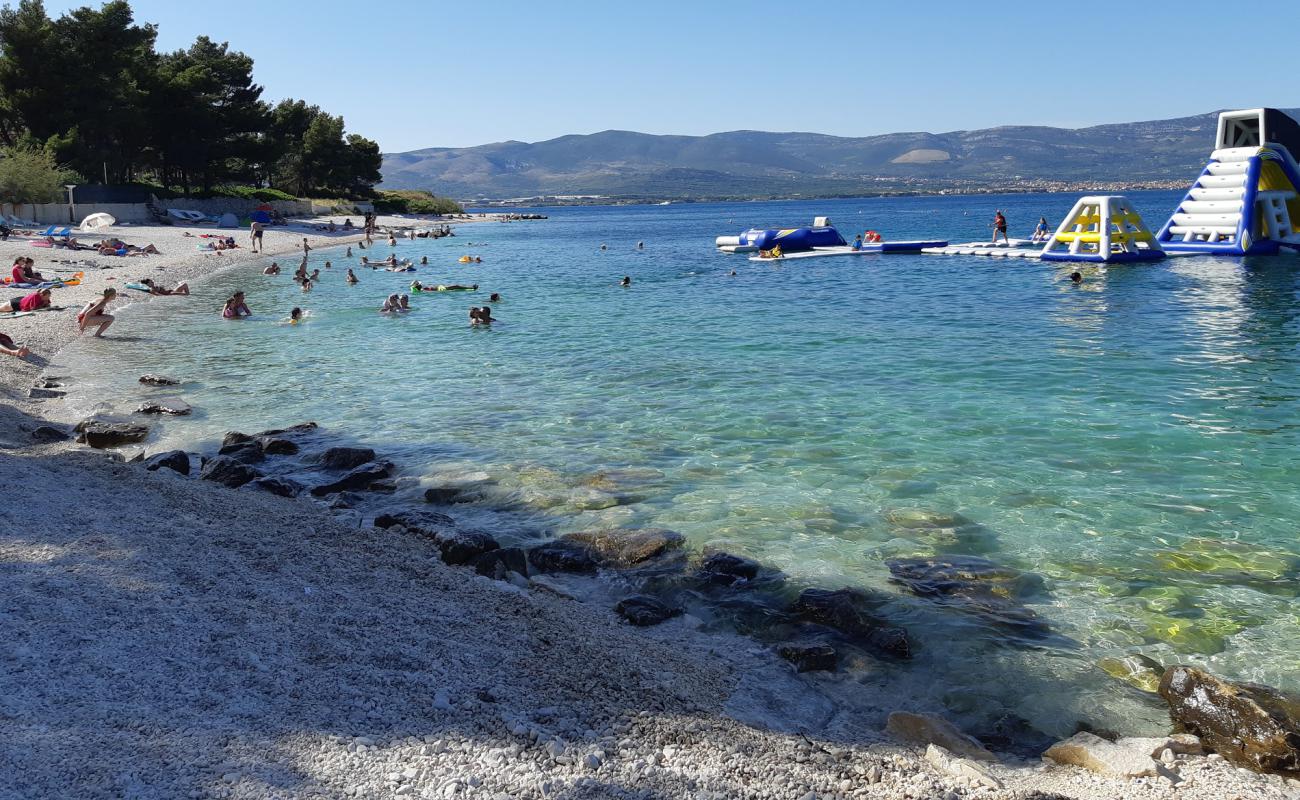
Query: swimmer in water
(627, 281)
(424, 261)
(328, 265)
(295, 316)
(1077, 277)
(315, 275)
(640, 245)
(352, 278)
(603, 247)
(733, 273)
(274, 269)
(494, 298)
(404, 302)
(349, 253)
(306, 285)
(391, 306)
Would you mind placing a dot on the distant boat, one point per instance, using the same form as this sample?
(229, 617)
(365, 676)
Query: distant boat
(666, 203)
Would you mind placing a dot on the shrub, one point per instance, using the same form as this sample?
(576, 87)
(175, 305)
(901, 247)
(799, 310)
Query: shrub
(411, 201)
(30, 175)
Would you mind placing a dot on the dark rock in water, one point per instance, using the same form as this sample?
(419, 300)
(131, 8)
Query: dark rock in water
(498, 563)
(642, 610)
(175, 460)
(101, 434)
(37, 393)
(248, 452)
(562, 556)
(293, 430)
(345, 457)
(450, 494)
(973, 584)
(284, 487)
(726, 570)
(429, 523)
(1252, 726)
(158, 380)
(462, 547)
(345, 500)
(810, 657)
(357, 480)
(273, 446)
(48, 433)
(627, 548)
(167, 405)
(387, 486)
(849, 611)
(50, 383)
(228, 472)
(234, 438)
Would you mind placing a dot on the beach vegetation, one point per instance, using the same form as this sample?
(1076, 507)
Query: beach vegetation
(91, 88)
(411, 201)
(31, 175)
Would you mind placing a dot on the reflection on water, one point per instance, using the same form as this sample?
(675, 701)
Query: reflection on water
(1129, 440)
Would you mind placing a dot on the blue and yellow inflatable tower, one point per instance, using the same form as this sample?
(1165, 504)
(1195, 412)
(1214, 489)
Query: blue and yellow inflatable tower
(1247, 199)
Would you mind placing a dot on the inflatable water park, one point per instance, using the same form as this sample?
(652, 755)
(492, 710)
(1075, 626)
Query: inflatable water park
(1246, 201)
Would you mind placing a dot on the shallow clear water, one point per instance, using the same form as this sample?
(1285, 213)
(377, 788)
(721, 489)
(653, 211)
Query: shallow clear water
(1132, 440)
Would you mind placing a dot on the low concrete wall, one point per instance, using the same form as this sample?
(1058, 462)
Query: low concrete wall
(58, 213)
(216, 206)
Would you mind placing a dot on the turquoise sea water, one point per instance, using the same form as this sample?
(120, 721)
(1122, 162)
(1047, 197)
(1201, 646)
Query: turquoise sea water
(1132, 440)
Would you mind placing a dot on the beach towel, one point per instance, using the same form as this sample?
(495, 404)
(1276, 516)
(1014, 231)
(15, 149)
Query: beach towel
(139, 287)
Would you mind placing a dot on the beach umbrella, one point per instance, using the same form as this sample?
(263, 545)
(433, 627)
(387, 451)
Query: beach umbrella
(261, 216)
(98, 222)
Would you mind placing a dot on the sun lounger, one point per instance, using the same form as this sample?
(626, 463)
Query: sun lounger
(54, 230)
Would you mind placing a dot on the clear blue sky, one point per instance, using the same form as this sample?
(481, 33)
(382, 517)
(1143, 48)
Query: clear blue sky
(422, 73)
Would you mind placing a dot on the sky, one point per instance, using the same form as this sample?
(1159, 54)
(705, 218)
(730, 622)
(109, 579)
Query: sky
(421, 73)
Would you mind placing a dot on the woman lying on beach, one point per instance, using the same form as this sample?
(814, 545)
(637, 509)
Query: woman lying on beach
(236, 307)
(33, 302)
(181, 288)
(9, 348)
(117, 247)
(23, 271)
(96, 313)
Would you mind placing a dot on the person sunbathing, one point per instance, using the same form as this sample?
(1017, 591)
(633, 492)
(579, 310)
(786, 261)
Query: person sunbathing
(33, 302)
(68, 242)
(181, 288)
(10, 348)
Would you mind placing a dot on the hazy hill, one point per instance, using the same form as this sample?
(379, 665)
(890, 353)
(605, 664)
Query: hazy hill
(756, 163)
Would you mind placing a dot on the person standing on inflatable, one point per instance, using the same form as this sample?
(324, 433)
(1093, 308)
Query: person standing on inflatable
(999, 226)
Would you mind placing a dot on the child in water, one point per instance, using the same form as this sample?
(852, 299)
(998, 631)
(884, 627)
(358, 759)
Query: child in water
(295, 316)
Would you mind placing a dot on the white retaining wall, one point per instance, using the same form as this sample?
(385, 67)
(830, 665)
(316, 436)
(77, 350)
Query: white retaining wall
(57, 213)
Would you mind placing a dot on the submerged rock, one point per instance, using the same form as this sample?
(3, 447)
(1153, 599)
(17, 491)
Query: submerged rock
(1136, 670)
(358, 479)
(1252, 726)
(725, 569)
(166, 405)
(344, 500)
(1123, 758)
(228, 472)
(449, 494)
(102, 434)
(562, 556)
(973, 584)
(428, 523)
(809, 657)
(642, 610)
(158, 380)
(849, 611)
(292, 430)
(462, 547)
(284, 487)
(499, 563)
(176, 460)
(345, 457)
(627, 548)
(926, 729)
(1221, 561)
(247, 451)
(49, 433)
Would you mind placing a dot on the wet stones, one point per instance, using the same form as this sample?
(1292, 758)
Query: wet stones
(247, 451)
(345, 457)
(926, 729)
(1137, 670)
(499, 563)
(228, 472)
(173, 406)
(644, 610)
(808, 657)
(103, 434)
(1250, 725)
(293, 430)
(284, 487)
(158, 380)
(427, 523)
(462, 547)
(450, 494)
(1123, 758)
(972, 584)
(849, 611)
(233, 438)
(725, 569)
(49, 433)
(628, 548)
(175, 460)
(562, 556)
(273, 446)
(359, 479)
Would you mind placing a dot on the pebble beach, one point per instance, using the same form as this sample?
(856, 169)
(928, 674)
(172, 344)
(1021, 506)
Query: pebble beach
(167, 636)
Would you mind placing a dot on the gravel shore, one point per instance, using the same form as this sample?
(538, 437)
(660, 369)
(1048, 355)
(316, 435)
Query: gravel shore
(163, 636)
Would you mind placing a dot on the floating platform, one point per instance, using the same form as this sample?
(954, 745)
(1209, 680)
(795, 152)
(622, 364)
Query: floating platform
(1013, 248)
(865, 250)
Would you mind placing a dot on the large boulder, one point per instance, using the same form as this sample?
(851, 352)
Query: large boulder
(233, 438)
(1252, 726)
(357, 480)
(925, 729)
(642, 610)
(428, 523)
(284, 487)
(462, 547)
(628, 548)
(103, 434)
(293, 430)
(278, 446)
(248, 451)
(345, 457)
(228, 472)
(562, 556)
(809, 657)
(850, 612)
(158, 380)
(176, 460)
(726, 569)
(49, 433)
(451, 493)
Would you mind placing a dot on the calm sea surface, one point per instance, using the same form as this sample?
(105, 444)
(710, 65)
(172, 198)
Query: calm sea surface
(1132, 440)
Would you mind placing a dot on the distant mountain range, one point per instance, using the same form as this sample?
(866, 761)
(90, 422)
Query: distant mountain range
(755, 164)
